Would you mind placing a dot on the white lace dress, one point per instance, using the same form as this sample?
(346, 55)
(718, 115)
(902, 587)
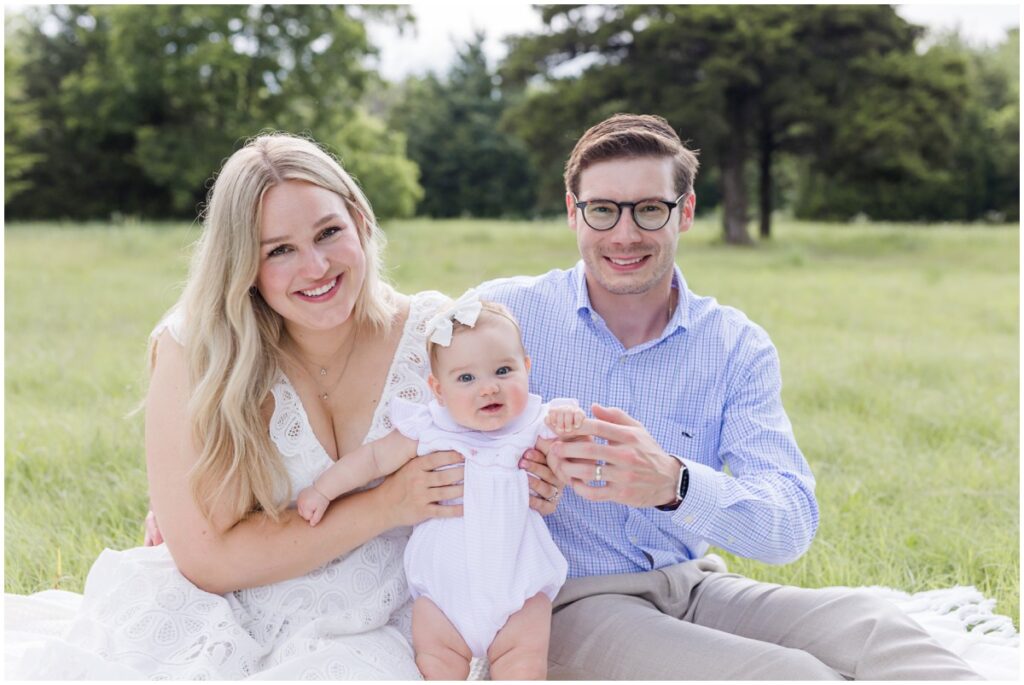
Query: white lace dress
(140, 618)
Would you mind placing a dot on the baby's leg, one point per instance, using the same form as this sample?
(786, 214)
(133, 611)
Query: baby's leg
(441, 653)
(520, 649)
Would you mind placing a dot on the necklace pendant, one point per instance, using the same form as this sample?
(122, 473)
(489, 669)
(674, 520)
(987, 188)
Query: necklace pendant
(323, 371)
(324, 396)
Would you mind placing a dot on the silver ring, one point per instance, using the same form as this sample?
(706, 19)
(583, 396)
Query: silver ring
(553, 497)
(597, 473)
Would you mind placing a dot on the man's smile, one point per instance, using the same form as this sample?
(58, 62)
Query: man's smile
(627, 263)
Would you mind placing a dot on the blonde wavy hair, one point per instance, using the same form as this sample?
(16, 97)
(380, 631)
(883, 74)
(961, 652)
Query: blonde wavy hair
(234, 339)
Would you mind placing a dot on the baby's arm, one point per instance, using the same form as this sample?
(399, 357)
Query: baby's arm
(564, 418)
(372, 460)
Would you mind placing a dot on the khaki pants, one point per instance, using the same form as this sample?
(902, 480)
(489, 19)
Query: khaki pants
(694, 621)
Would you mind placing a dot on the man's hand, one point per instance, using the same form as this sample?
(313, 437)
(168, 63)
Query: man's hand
(312, 504)
(634, 468)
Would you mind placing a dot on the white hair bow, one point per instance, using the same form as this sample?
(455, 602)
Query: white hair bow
(465, 310)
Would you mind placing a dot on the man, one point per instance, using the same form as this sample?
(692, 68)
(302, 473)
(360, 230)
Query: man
(681, 388)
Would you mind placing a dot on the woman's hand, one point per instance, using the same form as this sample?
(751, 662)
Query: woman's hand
(546, 488)
(414, 491)
(151, 537)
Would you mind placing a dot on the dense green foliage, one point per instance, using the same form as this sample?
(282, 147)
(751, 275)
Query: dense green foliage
(468, 167)
(135, 106)
(828, 111)
(899, 349)
(841, 87)
(935, 136)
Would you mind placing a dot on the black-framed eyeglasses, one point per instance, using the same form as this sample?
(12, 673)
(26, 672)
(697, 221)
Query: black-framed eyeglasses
(650, 215)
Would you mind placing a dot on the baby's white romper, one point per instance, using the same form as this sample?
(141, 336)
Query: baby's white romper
(481, 568)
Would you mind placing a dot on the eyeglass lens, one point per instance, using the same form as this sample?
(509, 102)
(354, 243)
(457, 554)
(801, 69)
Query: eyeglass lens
(649, 214)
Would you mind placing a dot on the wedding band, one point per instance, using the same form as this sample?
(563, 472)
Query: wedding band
(597, 473)
(553, 497)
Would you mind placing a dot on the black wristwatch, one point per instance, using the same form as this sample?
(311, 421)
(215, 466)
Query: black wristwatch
(682, 485)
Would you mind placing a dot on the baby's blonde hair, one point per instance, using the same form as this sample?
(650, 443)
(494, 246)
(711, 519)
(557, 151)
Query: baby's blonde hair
(488, 311)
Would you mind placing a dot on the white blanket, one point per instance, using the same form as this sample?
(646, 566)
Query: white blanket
(960, 618)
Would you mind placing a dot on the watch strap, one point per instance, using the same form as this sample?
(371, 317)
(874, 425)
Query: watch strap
(682, 485)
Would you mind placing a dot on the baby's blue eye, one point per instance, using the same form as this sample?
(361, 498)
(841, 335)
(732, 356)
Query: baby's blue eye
(465, 377)
(503, 370)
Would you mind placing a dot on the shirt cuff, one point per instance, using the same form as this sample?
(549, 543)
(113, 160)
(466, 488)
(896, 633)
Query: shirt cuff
(700, 505)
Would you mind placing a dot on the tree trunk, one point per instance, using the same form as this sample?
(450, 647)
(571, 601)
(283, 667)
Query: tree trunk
(734, 192)
(767, 142)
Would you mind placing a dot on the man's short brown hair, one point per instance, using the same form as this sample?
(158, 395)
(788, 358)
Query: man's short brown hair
(630, 136)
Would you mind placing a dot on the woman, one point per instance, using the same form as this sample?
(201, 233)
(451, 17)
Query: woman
(282, 353)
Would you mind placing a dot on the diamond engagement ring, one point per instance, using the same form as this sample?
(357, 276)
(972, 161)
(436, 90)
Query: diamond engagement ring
(553, 497)
(597, 473)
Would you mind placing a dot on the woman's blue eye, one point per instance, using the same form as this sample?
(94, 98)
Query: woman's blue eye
(330, 231)
(503, 370)
(465, 377)
(279, 250)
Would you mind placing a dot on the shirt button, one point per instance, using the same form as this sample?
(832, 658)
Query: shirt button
(688, 519)
(632, 538)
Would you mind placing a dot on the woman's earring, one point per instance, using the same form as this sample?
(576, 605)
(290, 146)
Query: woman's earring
(253, 291)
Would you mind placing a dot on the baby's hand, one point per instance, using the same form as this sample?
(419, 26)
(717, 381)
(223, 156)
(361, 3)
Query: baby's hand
(312, 505)
(564, 420)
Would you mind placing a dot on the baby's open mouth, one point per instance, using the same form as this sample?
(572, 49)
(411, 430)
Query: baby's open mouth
(491, 408)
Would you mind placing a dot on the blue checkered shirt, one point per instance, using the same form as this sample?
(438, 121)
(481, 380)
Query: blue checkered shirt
(708, 390)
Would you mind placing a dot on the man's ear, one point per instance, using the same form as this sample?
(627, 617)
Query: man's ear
(435, 387)
(570, 210)
(686, 212)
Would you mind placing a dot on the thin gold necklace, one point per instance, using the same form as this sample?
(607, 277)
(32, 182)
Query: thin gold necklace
(322, 393)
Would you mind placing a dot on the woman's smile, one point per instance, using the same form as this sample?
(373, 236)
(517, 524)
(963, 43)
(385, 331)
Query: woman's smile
(321, 292)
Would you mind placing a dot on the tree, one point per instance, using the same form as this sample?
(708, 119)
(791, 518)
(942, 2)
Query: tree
(889, 143)
(20, 122)
(469, 165)
(984, 181)
(138, 105)
(737, 79)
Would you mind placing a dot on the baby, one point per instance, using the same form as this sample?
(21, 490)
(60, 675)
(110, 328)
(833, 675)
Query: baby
(483, 583)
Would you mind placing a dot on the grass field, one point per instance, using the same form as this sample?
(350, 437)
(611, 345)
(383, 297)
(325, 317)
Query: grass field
(899, 347)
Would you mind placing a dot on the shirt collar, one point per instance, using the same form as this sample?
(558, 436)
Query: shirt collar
(579, 284)
(680, 317)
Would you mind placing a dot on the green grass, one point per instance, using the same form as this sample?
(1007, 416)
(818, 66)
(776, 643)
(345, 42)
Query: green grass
(899, 348)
